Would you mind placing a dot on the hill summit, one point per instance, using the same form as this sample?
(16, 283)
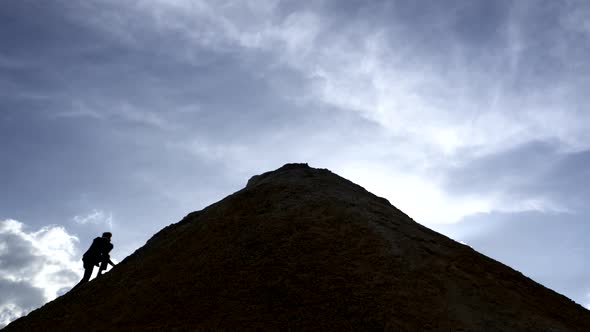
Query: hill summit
(303, 248)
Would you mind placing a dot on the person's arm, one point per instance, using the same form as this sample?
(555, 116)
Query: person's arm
(106, 260)
(109, 248)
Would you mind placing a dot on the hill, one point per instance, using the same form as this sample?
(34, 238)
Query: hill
(303, 248)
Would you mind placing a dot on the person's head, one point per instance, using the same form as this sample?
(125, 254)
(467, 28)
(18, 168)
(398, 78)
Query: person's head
(107, 235)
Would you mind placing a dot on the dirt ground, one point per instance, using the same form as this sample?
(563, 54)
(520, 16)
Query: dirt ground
(300, 249)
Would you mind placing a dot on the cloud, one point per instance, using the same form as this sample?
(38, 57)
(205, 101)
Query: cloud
(18, 298)
(420, 73)
(537, 175)
(122, 112)
(385, 73)
(96, 217)
(423, 199)
(34, 266)
(535, 243)
(576, 19)
(448, 109)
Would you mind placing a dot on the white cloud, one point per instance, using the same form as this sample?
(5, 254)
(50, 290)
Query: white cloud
(447, 101)
(438, 100)
(79, 109)
(134, 115)
(34, 266)
(95, 217)
(422, 200)
(439, 104)
(577, 17)
(10, 312)
(125, 112)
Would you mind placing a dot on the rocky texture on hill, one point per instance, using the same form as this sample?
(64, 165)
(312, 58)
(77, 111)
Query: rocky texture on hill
(302, 248)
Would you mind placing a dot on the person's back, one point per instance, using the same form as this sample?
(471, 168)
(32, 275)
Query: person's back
(100, 247)
(97, 254)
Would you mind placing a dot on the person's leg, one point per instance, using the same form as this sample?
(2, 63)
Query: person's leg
(88, 267)
(103, 266)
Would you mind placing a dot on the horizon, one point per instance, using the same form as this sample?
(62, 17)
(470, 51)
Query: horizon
(469, 116)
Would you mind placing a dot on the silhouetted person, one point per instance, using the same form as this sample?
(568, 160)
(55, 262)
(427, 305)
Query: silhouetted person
(97, 254)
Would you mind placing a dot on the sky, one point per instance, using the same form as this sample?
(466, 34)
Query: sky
(469, 115)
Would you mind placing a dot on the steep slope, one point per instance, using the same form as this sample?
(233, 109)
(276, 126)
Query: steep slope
(302, 248)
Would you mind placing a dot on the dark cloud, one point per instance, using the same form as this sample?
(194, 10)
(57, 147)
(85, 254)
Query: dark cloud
(34, 265)
(63, 290)
(20, 293)
(566, 180)
(19, 256)
(63, 277)
(532, 171)
(427, 25)
(534, 243)
(129, 104)
(148, 110)
(500, 171)
(18, 298)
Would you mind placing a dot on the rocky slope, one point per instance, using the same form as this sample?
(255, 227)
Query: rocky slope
(302, 248)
